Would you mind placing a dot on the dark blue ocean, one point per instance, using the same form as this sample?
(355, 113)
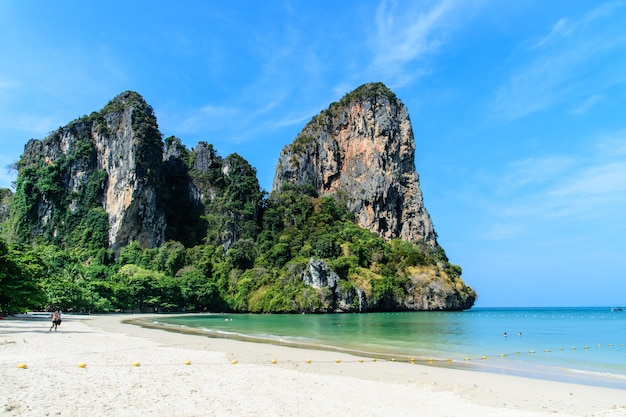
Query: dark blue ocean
(581, 345)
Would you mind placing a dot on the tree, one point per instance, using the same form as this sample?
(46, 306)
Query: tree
(19, 290)
(197, 291)
(242, 254)
(170, 258)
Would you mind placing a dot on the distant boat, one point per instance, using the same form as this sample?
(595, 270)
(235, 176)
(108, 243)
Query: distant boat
(616, 309)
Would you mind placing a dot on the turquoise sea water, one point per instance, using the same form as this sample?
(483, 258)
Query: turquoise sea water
(582, 345)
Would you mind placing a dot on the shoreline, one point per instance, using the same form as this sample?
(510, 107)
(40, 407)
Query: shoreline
(212, 385)
(147, 322)
(476, 364)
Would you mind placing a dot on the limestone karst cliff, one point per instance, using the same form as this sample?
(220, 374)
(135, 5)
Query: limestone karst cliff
(361, 150)
(109, 179)
(199, 234)
(104, 165)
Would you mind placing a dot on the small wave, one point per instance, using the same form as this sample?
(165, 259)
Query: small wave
(599, 374)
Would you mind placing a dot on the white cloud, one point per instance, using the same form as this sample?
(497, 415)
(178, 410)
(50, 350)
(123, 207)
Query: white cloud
(32, 125)
(403, 41)
(565, 26)
(499, 231)
(586, 105)
(560, 67)
(533, 171)
(612, 144)
(563, 191)
(341, 90)
(405, 37)
(541, 84)
(289, 120)
(206, 119)
(251, 130)
(561, 28)
(6, 84)
(605, 180)
(603, 10)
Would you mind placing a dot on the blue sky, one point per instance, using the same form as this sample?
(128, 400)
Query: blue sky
(518, 109)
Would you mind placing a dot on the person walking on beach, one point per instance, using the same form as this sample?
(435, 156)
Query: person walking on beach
(56, 320)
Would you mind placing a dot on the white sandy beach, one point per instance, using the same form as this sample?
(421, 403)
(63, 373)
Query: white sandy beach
(52, 384)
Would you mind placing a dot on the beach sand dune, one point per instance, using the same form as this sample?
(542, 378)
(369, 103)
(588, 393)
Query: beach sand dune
(110, 383)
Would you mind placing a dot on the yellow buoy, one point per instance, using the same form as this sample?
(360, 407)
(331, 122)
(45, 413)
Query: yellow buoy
(273, 361)
(187, 362)
(502, 355)
(82, 365)
(234, 362)
(136, 364)
(412, 360)
(393, 359)
(337, 360)
(484, 358)
(547, 350)
(308, 361)
(374, 360)
(449, 360)
(467, 359)
(22, 366)
(360, 360)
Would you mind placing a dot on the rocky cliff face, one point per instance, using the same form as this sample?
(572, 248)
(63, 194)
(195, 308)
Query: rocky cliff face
(131, 156)
(361, 150)
(122, 146)
(109, 179)
(427, 288)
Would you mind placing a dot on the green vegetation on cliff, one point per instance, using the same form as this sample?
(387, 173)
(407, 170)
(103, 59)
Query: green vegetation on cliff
(362, 93)
(255, 274)
(226, 245)
(77, 218)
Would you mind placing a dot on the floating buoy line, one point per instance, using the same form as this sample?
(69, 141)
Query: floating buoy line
(273, 361)
(388, 358)
(548, 350)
